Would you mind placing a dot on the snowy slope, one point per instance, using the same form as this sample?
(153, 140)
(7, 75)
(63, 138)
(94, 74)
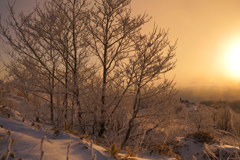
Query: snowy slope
(27, 139)
(27, 142)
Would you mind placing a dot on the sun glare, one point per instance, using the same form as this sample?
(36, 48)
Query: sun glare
(232, 60)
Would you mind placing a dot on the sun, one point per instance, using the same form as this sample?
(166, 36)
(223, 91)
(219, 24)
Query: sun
(232, 60)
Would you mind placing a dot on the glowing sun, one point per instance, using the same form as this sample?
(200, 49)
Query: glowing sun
(232, 60)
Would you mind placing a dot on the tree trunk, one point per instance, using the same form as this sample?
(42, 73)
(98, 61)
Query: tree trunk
(103, 105)
(51, 108)
(65, 102)
(128, 133)
(134, 115)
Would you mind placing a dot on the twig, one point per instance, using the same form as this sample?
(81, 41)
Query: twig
(68, 147)
(41, 147)
(94, 157)
(10, 142)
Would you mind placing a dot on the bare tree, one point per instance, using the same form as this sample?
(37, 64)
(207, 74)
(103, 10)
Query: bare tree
(31, 53)
(30, 78)
(154, 56)
(119, 92)
(111, 28)
(68, 41)
(52, 39)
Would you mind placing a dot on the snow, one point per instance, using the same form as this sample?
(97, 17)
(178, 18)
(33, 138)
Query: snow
(27, 137)
(27, 141)
(191, 149)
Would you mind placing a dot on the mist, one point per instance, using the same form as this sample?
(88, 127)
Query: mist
(213, 93)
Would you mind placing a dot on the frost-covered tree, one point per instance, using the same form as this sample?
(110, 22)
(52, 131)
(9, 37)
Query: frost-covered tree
(51, 38)
(32, 64)
(94, 66)
(111, 29)
(66, 20)
(153, 56)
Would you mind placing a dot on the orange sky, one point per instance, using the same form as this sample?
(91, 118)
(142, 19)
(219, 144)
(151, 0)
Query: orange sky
(204, 28)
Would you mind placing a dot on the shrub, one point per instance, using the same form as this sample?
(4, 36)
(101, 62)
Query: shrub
(72, 131)
(12, 155)
(202, 136)
(130, 152)
(84, 136)
(4, 157)
(114, 150)
(165, 150)
(56, 131)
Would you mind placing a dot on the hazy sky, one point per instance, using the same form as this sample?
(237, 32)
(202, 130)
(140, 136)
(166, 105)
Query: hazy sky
(205, 30)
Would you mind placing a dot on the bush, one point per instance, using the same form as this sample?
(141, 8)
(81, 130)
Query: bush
(164, 150)
(114, 150)
(130, 152)
(84, 136)
(56, 131)
(202, 136)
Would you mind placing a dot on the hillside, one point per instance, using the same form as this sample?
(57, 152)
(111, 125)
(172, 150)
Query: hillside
(27, 137)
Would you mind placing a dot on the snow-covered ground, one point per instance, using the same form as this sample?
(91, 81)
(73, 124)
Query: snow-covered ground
(27, 143)
(27, 137)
